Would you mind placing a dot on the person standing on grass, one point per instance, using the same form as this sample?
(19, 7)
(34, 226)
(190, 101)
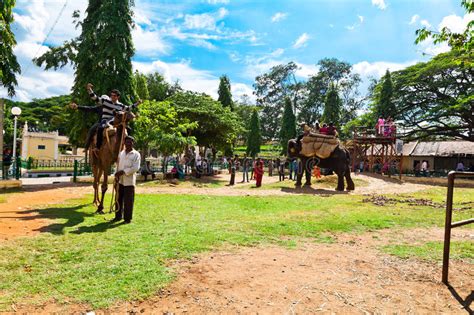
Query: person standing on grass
(245, 168)
(129, 164)
(259, 171)
(281, 170)
(232, 171)
(270, 167)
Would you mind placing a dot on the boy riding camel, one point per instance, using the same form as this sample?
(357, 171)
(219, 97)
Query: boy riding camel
(106, 106)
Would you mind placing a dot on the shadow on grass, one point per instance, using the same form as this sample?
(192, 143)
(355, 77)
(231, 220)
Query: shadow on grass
(312, 191)
(101, 227)
(466, 303)
(197, 182)
(72, 214)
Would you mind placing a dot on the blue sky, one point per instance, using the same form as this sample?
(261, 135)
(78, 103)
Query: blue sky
(197, 41)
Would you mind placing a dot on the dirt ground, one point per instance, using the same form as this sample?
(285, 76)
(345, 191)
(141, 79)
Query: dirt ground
(350, 275)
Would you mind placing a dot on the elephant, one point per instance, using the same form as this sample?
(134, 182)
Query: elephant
(339, 162)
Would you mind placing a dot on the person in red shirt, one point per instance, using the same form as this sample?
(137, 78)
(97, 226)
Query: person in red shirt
(324, 129)
(259, 171)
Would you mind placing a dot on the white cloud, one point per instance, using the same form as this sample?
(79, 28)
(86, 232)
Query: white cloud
(355, 25)
(456, 23)
(377, 69)
(414, 19)
(380, 4)
(205, 21)
(279, 16)
(278, 52)
(218, 1)
(148, 42)
(425, 23)
(301, 41)
(305, 71)
(361, 18)
(189, 78)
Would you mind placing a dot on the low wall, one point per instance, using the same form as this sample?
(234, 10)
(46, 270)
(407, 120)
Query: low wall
(4, 184)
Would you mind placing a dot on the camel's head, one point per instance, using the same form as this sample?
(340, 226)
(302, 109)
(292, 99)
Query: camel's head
(293, 149)
(123, 115)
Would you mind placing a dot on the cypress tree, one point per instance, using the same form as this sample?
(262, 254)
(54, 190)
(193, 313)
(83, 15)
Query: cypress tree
(101, 55)
(225, 95)
(288, 125)
(254, 138)
(332, 106)
(8, 62)
(385, 106)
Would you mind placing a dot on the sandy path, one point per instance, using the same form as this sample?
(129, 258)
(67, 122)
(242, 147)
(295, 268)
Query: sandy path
(376, 184)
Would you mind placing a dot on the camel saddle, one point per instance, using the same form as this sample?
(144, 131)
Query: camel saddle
(316, 144)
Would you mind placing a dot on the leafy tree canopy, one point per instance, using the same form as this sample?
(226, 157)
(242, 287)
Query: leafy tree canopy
(254, 138)
(224, 92)
(436, 98)
(218, 127)
(463, 42)
(271, 89)
(288, 125)
(9, 66)
(159, 126)
(100, 55)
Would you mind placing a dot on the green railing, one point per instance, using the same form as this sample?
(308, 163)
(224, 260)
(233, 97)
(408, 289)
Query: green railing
(81, 168)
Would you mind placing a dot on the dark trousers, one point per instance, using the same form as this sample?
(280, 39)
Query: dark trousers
(91, 134)
(232, 178)
(126, 197)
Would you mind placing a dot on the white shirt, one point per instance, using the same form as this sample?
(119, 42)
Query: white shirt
(130, 164)
(424, 166)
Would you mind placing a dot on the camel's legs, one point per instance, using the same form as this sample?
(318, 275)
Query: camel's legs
(97, 175)
(104, 189)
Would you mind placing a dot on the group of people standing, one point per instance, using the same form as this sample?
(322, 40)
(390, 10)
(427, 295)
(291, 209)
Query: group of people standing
(385, 127)
(254, 169)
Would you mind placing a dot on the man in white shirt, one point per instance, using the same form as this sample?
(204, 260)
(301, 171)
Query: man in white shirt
(129, 164)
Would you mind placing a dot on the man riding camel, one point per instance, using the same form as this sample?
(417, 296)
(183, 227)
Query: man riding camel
(106, 106)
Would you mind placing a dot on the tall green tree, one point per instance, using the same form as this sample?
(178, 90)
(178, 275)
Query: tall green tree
(218, 127)
(159, 126)
(436, 98)
(385, 106)
(339, 74)
(158, 88)
(254, 138)
(141, 85)
(101, 55)
(288, 125)
(272, 89)
(332, 106)
(9, 66)
(463, 41)
(224, 92)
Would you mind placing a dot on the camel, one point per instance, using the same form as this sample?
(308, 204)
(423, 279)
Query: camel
(102, 161)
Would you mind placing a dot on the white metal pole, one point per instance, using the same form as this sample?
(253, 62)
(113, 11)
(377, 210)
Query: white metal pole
(14, 140)
(14, 148)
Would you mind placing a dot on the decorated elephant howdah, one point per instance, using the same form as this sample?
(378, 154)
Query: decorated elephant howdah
(338, 161)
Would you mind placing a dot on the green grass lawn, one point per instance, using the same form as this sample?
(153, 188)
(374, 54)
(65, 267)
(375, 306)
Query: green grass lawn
(433, 251)
(84, 258)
